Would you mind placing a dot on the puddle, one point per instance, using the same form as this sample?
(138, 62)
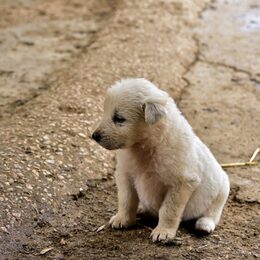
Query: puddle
(229, 34)
(252, 21)
(257, 86)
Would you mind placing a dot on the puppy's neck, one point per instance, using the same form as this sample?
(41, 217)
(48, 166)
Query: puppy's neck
(152, 137)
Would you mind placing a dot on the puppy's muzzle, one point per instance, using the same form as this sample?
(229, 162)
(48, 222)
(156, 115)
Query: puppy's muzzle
(97, 136)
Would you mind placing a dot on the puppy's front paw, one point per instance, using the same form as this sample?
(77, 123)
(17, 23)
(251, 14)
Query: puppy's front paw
(120, 221)
(163, 234)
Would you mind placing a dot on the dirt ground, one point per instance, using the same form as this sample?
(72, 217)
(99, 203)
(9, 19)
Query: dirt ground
(57, 59)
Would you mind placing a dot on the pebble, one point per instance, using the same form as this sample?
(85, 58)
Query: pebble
(4, 229)
(60, 177)
(46, 173)
(19, 174)
(50, 161)
(35, 173)
(17, 215)
(82, 135)
(29, 186)
(63, 241)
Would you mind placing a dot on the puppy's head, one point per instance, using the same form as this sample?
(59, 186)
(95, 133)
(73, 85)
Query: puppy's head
(130, 107)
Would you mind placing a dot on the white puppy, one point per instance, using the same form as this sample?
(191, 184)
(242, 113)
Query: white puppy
(162, 166)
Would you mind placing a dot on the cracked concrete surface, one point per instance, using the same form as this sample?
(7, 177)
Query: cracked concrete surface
(57, 187)
(227, 89)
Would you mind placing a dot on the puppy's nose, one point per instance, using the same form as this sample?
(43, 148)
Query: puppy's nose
(96, 136)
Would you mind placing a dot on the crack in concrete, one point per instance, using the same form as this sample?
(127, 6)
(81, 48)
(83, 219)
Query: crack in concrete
(198, 57)
(188, 68)
(234, 68)
(239, 194)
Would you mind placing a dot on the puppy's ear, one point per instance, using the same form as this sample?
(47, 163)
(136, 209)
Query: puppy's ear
(153, 112)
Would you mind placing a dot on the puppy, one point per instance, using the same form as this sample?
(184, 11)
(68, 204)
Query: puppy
(162, 166)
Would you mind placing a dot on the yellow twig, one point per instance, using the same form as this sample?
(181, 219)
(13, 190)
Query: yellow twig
(254, 154)
(102, 227)
(238, 164)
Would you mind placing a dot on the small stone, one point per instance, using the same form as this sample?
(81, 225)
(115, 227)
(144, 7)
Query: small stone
(36, 173)
(82, 135)
(46, 173)
(63, 242)
(60, 177)
(91, 183)
(50, 161)
(29, 186)
(17, 215)
(4, 229)
(19, 174)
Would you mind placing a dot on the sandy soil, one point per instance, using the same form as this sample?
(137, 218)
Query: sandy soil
(38, 38)
(58, 58)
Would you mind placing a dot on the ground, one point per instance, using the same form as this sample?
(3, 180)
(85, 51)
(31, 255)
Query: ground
(57, 59)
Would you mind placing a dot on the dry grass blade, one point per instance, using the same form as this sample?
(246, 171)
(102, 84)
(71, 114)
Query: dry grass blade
(254, 154)
(249, 163)
(102, 227)
(237, 164)
(46, 250)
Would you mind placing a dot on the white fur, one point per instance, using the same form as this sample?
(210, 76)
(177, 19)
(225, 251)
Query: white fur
(162, 165)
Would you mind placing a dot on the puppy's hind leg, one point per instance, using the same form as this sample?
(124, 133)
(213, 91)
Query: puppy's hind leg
(211, 217)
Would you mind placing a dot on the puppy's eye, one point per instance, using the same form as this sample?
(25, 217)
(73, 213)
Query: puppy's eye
(117, 119)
